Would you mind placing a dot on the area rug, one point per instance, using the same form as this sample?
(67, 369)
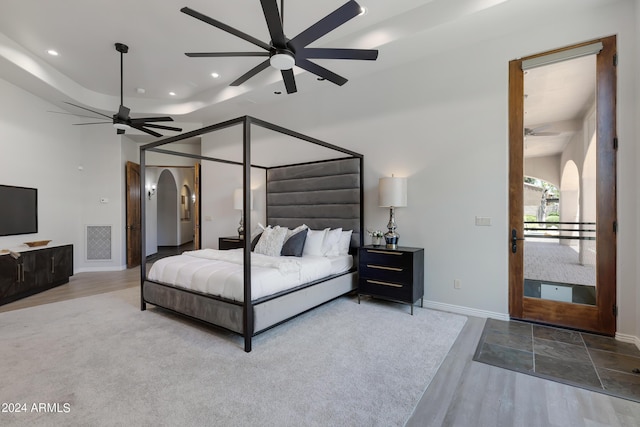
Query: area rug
(100, 361)
(593, 362)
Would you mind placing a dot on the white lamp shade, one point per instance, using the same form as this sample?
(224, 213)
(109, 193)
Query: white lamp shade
(238, 199)
(392, 191)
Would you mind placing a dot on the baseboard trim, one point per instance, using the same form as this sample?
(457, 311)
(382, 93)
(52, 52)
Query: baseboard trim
(459, 309)
(98, 269)
(628, 338)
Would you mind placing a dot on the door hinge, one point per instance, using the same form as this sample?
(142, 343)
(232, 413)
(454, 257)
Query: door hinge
(615, 226)
(615, 143)
(615, 311)
(615, 59)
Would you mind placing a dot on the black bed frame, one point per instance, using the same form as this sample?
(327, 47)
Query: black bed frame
(247, 306)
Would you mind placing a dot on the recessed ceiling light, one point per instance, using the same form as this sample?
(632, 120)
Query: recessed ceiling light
(140, 90)
(52, 52)
(215, 75)
(172, 93)
(363, 10)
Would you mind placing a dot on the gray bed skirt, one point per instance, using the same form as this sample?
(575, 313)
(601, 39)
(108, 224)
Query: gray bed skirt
(228, 315)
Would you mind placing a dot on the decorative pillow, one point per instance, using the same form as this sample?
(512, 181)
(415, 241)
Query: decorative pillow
(313, 244)
(342, 246)
(271, 241)
(294, 245)
(330, 240)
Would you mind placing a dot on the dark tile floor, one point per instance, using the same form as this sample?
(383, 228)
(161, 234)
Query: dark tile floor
(584, 360)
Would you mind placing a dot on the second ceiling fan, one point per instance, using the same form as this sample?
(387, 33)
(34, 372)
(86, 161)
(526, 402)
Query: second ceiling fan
(284, 53)
(122, 120)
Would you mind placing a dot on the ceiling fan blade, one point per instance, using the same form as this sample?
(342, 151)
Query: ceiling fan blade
(123, 113)
(289, 81)
(272, 16)
(149, 131)
(321, 53)
(224, 54)
(71, 114)
(120, 131)
(84, 108)
(92, 123)
(225, 27)
(344, 13)
(142, 120)
(252, 72)
(320, 71)
(148, 125)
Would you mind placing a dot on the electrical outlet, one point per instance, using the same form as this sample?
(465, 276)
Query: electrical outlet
(456, 284)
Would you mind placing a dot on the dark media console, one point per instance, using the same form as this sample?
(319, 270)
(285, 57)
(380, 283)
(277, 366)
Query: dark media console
(34, 270)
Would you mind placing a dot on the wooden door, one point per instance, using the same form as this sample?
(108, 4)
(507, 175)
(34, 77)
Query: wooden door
(133, 209)
(196, 206)
(599, 316)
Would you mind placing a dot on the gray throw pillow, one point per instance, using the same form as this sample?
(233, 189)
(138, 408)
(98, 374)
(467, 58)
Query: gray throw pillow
(294, 244)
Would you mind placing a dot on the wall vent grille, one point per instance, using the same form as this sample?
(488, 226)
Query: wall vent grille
(98, 243)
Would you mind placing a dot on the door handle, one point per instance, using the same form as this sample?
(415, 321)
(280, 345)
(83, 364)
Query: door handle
(514, 240)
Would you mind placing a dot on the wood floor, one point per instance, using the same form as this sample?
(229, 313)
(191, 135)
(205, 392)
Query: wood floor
(463, 393)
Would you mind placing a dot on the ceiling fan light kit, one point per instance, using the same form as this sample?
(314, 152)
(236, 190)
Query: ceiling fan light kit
(282, 60)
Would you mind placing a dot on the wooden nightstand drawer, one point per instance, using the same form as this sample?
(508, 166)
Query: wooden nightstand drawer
(385, 288)
(402, 274)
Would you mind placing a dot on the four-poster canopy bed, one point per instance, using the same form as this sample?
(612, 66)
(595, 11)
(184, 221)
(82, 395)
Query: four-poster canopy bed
(325, 196)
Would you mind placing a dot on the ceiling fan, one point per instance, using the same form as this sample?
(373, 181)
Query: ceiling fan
(283, 53)
(537, 131)
(121, 120)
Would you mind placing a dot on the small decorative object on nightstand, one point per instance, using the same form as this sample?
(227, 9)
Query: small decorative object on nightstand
(233, 242)
(393, 274)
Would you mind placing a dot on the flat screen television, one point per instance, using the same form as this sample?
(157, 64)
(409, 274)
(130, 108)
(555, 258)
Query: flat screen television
(19, 211)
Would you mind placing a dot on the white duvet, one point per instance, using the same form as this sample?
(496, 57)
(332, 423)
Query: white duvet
(221, 273)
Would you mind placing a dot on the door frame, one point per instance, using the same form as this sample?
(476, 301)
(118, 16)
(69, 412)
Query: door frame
(602, 317)
(133, 201)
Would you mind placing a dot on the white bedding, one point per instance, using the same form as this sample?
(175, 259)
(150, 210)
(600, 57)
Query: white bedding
(220, 273)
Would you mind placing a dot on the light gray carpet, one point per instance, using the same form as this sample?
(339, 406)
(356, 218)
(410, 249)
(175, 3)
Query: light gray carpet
(342, 364)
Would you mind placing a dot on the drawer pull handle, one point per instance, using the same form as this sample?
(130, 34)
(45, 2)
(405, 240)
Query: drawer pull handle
(373, 251)
(377, 282)
(382, 267)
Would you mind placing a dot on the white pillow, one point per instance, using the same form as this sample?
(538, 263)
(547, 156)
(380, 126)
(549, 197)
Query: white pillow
(344, 243)
(330, 240)
(271, 241)
(313, 244)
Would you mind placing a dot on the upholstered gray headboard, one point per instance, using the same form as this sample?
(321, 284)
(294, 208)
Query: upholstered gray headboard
(321, 195)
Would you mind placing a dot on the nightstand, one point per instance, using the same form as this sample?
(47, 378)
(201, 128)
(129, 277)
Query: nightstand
(233, 242)
(393, 274)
